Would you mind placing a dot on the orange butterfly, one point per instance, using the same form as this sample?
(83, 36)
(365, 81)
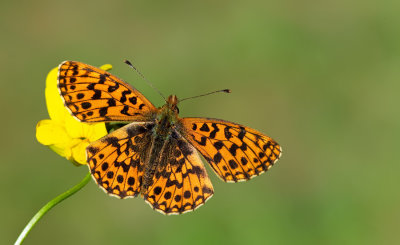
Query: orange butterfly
(155, 154)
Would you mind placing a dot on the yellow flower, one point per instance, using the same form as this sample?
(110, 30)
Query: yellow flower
(62, 132)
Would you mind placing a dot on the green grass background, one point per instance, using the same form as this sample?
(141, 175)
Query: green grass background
(320, 77)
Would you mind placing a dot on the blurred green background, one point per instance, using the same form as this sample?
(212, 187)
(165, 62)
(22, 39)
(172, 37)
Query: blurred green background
(320, 77)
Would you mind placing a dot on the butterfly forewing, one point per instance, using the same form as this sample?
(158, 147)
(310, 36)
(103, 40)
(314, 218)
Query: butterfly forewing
(116, 160)
(181, 184)
(94, 95)
(235, 152)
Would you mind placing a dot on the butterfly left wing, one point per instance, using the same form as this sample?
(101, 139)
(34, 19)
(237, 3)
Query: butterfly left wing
(94, 95)
(180, 183)
(116, 160)
(235, 152)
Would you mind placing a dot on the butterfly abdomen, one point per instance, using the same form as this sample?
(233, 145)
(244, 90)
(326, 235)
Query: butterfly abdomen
(160, 134)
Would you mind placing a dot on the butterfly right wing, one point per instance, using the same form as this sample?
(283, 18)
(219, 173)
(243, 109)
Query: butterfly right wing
(115, 160)
(94, 95)
(235, 152)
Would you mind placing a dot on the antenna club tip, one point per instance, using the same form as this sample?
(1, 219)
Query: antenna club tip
(227, 91)
(127, 62)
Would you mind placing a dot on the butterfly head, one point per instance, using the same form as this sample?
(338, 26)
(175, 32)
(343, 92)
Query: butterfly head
(172, 103)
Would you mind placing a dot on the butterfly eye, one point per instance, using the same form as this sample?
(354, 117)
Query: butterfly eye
(177, 109)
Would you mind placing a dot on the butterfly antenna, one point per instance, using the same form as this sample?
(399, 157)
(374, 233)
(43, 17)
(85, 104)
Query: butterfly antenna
(218, 91)
(141, 75)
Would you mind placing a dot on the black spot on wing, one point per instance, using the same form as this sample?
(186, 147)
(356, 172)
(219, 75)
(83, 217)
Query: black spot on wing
(242, 133)
(86, 105)
(207, 190)
(120, 178)
(103, 111)
(214, 132)
(92, 150)
(113, 88)
(266, 146)
(112, 141)
(233, 149)
(227, 133)
(133, 100)
(233, 164)
(218, 145)
(102, 79)
(104, 166)
(90, 86)
(217, 157)
(96, 95)
(199, 171)
(243, 147)
(205, 128)
(125, 110)
(202, 141)
(131, 181)
(123, 97)
(111, 102)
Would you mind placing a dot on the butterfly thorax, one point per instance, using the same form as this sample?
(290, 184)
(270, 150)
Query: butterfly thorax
(165, 120)
(167, 116)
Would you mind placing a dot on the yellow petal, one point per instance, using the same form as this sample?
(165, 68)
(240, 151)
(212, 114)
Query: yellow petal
(74, 128)
(97, 131)
(57, 149)
(54, 103)
(79, 152)
(68, 153)
(49, 132)
(106, 67)
(53, 134)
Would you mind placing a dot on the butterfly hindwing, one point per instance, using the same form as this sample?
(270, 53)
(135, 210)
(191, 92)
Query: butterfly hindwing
(115, 160)
(181, 183)
(94, 95)
(236, 153)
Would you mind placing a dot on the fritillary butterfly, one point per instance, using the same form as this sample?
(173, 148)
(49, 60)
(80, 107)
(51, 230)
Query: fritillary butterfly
(155, 154)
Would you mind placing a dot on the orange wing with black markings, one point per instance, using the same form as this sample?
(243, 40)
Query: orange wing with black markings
(236, 153)
(94, 95)
(181, 183)
(116, 160)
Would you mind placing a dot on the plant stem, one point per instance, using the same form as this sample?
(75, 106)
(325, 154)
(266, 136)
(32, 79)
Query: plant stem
(49, 206)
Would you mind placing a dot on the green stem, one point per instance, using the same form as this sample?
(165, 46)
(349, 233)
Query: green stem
(49, 206)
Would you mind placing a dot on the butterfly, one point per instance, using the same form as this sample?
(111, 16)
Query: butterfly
(156, 153)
